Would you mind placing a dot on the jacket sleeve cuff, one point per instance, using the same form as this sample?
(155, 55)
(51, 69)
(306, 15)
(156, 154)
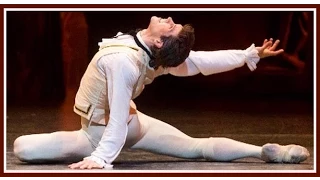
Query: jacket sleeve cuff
(252, 57)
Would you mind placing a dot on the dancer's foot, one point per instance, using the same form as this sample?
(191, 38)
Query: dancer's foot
(284, 154)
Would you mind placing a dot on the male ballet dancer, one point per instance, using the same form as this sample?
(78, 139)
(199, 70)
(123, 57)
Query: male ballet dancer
(110, 120)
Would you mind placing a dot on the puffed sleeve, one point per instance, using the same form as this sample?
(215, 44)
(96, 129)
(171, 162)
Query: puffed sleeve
(211, 62)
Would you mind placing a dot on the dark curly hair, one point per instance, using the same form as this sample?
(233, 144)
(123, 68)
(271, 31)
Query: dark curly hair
(175, 49)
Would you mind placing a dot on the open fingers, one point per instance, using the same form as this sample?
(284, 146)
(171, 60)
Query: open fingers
(274, 46)
(274, 53)
(266, 45)
(265, 41)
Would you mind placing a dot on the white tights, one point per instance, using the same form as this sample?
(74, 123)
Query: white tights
(144, 132)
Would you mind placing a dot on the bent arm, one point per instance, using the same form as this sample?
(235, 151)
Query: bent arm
(121, 77)
(212, 62)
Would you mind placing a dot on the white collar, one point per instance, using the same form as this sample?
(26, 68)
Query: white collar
(142, 42)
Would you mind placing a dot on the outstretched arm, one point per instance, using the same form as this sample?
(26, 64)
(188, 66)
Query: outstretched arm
(211, 62)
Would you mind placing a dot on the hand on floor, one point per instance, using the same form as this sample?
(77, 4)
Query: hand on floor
(85, 164)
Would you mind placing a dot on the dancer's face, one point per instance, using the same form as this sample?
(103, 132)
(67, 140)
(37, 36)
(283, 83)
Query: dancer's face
(164, 27)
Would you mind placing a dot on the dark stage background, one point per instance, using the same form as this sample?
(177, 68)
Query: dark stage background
(47, 54)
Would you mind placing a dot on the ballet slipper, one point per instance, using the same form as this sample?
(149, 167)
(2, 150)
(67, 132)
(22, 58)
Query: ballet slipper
(275, 153)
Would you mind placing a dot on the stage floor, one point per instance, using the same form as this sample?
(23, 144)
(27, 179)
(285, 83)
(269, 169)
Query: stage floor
(253, 121)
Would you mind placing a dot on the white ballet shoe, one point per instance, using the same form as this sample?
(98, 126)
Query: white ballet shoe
(276, 153)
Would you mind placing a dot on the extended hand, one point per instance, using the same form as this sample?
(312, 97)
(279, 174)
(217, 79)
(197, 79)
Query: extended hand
(268, 49)
(85, 164)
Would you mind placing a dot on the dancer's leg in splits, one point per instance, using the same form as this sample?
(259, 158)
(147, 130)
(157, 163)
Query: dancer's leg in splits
(150, 134)
(60, 146)
(162, 138)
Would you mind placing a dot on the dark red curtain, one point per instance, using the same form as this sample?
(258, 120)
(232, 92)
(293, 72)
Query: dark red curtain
(47, 52)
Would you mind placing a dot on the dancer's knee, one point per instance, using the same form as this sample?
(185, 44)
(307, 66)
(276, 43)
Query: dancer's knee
(207, 150)
(210, 151)
(22, 150)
